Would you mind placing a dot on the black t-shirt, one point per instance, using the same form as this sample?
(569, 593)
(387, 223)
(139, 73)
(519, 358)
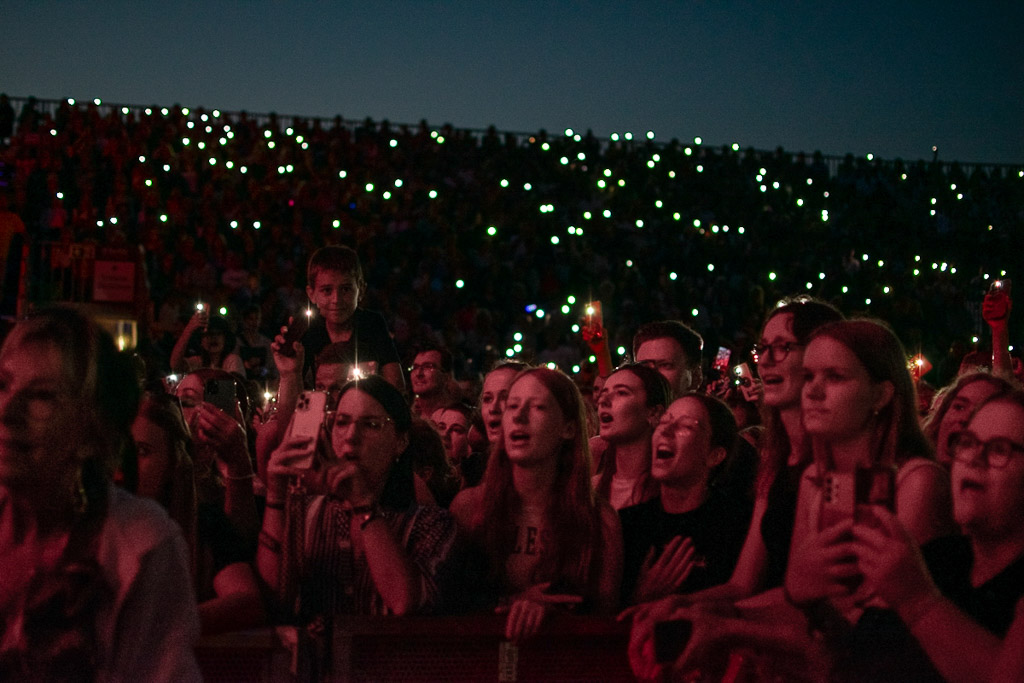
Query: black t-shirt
(777, 522)
(880, 647)
(370, 342)
(718, 529)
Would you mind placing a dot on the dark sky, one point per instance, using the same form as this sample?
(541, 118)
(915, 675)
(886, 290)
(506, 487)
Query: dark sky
(889, 78)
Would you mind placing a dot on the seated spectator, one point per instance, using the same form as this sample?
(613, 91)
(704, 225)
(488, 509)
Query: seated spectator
(94, 582)
(547, 540)
(216, 346)
(689, 536)
(629, 406)
(345, 536)
(335, 286)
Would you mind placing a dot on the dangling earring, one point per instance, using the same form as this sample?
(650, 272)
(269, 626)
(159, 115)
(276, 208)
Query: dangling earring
(80, 501)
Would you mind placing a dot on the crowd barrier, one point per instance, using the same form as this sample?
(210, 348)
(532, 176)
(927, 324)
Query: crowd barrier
(407, 649)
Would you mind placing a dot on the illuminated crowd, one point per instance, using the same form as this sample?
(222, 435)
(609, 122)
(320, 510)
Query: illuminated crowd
(473, 237)
(762, 406)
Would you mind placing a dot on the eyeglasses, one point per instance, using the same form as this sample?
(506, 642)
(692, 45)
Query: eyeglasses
(425, 367)
(371, 424)
(995, 453)
(672, 427)
(778, 350)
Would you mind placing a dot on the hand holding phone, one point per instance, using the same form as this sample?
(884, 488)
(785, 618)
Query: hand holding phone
(297, 327)
(873, 487)
(748, 385)
(307, 419)
(997, 304)
(221, 393)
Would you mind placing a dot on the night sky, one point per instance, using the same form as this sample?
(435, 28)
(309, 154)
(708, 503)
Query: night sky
(892, 79)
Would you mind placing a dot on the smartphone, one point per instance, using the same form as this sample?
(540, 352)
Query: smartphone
(307, 420)
(837, 499)
(592, 314)
(296, 328)
(873, 487)
(919, 366)
(221, 393)
(721, 362)
(361, 370)
(1003, 286)
(670, 639)
(744, 378)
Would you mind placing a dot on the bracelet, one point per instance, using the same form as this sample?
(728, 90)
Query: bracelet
(275, 505)
(251, 475)
(269, 542)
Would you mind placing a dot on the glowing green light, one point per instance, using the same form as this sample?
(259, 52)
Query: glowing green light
(772, 276)
(432, 194)
(540, 313)
(163, 218)
(606, 213)
(566, 309)
(711, 267)
(369, 187)
(504, 182)
(459, 284)
(571, 299)
(336, 223)
(621, 350)
(492, 231)
(673, 275)
(554, 239)
(509, 353)
(694, 312)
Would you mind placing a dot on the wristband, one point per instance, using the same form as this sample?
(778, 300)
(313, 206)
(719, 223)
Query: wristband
(251, 475)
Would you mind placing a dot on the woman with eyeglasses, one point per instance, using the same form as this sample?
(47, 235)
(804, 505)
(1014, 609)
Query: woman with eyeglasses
(959, 616)
(689, 536)
(343, 533)
(762, 562)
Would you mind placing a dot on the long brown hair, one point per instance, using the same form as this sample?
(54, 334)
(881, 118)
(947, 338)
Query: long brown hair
(808, 315)
(178, 494)
(897, 433)
(572, 513)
